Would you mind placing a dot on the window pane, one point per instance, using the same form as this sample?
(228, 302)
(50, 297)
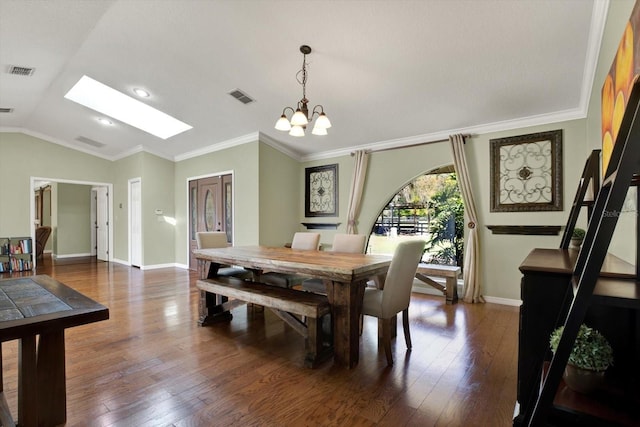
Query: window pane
(209, 211)
(194, 212)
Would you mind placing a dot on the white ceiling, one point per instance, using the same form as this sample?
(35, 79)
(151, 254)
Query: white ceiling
(388, 72)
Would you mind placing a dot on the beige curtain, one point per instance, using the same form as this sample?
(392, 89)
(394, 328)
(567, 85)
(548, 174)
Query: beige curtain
(357, 184)
(471, 266)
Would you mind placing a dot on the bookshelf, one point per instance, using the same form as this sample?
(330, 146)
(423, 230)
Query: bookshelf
(16, 254)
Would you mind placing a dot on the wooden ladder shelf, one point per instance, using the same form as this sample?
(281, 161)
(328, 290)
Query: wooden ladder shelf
(622, 170)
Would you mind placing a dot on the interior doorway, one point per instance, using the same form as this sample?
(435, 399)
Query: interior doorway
(43, 212)
(210, 209)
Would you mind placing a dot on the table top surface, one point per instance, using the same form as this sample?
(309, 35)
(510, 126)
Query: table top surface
(562, 261)
(342, 267)
(33, 305)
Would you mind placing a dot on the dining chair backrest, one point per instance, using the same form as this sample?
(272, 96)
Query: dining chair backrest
(397, 285)
(211, 239)
(349, 243)
(306, 241)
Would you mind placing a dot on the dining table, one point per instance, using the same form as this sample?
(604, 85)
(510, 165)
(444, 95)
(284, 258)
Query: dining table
(344, 275)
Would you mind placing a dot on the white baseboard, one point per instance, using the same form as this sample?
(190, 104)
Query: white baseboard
(167, 265)
(121, 261)
(420, 288)
(503, 301)
(71, 255)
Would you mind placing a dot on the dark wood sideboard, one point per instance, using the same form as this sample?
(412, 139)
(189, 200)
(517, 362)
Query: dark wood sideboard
(614, 310)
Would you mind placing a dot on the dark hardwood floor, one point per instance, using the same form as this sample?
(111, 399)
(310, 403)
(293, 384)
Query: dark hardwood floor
(151, 365)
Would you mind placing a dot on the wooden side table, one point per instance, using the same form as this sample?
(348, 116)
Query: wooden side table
(41, 306)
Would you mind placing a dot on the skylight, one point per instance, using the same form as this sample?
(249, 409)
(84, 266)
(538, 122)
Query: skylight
(100, 97)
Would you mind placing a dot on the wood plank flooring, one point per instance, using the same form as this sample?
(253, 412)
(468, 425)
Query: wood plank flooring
(151, 365)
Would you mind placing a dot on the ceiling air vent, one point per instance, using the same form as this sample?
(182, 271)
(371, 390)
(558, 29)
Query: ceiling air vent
(241, 96)
(21, 71)
(89, 141)
(6, 110)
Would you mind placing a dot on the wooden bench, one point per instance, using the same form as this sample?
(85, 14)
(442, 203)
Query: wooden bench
(284, 303)
(449, 272)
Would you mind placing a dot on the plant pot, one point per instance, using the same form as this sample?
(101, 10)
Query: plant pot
(583, 380)
(576, 243)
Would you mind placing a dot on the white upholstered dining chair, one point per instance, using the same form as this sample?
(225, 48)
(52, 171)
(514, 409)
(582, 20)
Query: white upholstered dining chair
(342, 243)
(218, 239)
(304, 241)
(394, 297)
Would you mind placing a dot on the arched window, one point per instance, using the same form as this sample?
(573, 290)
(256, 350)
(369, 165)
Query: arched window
(429, 208)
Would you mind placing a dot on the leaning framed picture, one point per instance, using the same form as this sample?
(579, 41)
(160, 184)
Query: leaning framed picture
(321, 191)
(526, 172)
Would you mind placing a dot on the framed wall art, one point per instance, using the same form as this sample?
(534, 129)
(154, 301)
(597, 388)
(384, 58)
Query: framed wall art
(526, 172)
(321, 191)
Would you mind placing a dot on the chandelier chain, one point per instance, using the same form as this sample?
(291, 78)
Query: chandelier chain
(303, 72)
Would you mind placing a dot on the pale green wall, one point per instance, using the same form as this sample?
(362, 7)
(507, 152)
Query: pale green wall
(502, 254)
(345, 169)
(278, 199)
(23, 156)
(123, 170)
(158, 235)
(242, 161)
(73, 220)
(623, 241)
(389, 171)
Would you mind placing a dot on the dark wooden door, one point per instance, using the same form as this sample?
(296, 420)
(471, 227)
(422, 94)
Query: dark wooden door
(210, 208)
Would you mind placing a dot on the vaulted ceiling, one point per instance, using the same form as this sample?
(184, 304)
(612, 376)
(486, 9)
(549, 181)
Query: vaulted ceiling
(388, 72)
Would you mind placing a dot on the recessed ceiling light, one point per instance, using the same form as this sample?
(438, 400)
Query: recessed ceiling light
(100, 97)
(105, 121)
(141, 92)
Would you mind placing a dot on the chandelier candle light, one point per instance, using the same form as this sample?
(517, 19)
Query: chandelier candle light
(301, 117)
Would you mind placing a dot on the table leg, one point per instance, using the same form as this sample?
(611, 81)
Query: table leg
(5, 414)
(27, 382)
(208, 303)
(346, 308)
(452, 290)
(209, 308)
(52, 390)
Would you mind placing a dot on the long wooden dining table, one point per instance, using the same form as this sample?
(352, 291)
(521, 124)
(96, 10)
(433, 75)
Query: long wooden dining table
(345, 277)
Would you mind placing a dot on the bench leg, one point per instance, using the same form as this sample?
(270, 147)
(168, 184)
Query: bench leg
(318, 344)
(452, 290)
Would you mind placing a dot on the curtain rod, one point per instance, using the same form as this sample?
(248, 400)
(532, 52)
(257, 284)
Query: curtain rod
(466, 135)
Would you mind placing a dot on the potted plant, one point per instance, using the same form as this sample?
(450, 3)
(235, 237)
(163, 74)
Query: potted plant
(577, 237)
(589, 359)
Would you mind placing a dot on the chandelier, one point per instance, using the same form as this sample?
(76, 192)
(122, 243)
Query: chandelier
(300, 117)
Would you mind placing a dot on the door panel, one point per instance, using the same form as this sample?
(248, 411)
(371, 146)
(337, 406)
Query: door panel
(193, 222)
(102, 224)
(210, 204)
(210, 208)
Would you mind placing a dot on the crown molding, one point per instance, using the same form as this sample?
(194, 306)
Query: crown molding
(274, 143)
(541, 119)
(594, 42)
(251, 137)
